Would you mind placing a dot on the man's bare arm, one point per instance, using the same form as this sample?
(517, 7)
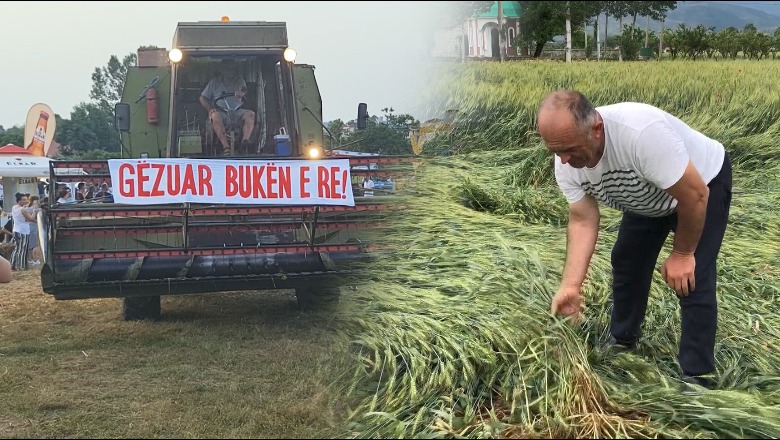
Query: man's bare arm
(679, 270)
(692, 194)
(582, 233)
(205, 103)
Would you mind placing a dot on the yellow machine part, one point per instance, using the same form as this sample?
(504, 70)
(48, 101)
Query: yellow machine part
(419, 137)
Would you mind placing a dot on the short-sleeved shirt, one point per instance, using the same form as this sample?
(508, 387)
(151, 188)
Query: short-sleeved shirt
(21, 225)
(646, 151)
(219, 86)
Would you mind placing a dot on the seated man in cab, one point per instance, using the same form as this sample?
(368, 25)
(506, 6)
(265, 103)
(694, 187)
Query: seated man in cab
(223, 93)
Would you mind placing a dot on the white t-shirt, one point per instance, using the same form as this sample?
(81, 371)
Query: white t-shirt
(21, 226)
(646, 151)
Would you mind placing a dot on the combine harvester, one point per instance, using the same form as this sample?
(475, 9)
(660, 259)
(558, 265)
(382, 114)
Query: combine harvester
(184, 217)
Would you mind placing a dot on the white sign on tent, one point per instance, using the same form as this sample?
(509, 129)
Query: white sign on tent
(24, 166)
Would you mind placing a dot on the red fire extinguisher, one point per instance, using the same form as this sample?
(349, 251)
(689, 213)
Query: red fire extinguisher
(152, 107)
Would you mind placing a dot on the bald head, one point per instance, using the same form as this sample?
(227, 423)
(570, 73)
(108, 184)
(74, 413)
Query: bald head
(571, 128)
(567, 104)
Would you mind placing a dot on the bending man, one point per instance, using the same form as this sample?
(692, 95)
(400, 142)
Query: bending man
(664, 176)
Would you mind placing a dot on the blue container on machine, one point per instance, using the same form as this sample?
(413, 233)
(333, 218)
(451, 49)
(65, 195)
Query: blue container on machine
(283, 146)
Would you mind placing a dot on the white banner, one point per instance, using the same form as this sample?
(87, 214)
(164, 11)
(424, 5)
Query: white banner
(250, 182)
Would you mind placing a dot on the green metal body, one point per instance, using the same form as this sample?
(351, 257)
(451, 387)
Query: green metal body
(309, 105)
(144, 137)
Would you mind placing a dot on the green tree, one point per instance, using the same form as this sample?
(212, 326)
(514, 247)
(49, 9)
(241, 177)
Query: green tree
(388, 137)
(775, 42)
(336, 130)
(90, 127)
(653, 10)
(755, 44)
(727, 42)
(576, 14)
(628, 43)
(711, 46)
(543, 20)
(109, 80)
(13, 135)
(692, 41)
(91, 124)
(547, 19)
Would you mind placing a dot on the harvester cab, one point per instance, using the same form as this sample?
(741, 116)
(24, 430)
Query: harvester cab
(278, 111)
(274, 210)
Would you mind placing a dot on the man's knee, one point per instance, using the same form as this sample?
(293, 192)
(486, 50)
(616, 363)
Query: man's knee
(248, 116)
(217, 118)
(621, 254)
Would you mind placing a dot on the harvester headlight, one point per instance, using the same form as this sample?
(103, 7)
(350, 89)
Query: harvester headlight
(290, 54)
(175, 55)
(314, 152)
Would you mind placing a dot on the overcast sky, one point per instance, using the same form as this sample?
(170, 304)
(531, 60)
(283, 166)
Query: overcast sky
(368, 52)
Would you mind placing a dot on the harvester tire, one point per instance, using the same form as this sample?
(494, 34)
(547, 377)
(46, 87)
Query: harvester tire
(139, 308)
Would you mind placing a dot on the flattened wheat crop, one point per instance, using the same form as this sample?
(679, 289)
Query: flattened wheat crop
(454, 337)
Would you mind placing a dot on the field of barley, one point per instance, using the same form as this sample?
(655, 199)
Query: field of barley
(454, 334)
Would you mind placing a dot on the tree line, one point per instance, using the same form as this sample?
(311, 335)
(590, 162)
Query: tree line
(578, 21)
(729, 43)
(387, 135)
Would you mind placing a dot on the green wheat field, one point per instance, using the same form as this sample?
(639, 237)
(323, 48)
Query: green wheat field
(455, 335)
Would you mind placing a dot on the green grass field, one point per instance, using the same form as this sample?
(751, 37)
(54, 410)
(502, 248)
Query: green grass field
(233, 365)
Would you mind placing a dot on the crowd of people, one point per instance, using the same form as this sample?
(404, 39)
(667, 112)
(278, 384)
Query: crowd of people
(85, 193)
(20, 231)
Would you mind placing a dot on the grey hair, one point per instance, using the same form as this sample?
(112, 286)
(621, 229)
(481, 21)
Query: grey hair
(578, 105)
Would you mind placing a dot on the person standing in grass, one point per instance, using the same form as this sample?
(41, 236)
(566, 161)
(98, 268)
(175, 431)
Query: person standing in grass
(33, 246)
(664, 176)
(22, 220)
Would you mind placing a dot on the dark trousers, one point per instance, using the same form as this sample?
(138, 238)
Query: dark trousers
(634, 259)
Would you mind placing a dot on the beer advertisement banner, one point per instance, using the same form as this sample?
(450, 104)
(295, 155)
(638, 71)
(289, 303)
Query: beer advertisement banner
(39, 129)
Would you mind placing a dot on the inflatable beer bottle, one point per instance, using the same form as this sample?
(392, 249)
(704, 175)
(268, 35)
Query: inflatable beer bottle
(39, 138)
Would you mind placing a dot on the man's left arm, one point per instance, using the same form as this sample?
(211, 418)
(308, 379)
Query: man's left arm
(664, 161)
(207, 96)
(692, 194)
(241, 93)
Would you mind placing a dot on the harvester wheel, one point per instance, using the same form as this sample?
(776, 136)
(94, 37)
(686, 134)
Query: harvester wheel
(310, 298)
(138, 308)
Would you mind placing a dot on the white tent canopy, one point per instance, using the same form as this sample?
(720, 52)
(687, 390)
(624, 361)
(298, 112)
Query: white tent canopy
(24, 166)
(21, 173)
